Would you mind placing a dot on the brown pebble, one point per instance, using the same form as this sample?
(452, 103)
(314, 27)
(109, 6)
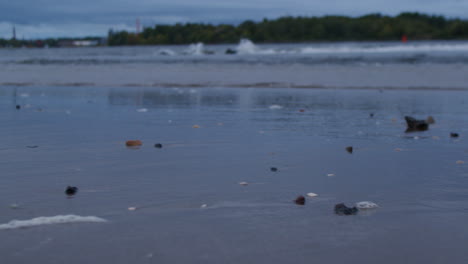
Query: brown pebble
(349, 149)
(430, 120)
(133, 143)
(300, 200)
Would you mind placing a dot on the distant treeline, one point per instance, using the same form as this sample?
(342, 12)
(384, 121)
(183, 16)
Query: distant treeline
(415, 26)
(49, 42)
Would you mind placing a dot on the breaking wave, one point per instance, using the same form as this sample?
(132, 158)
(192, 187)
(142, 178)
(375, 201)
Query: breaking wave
(247, 52)
(195, 49)
(50, 220)
(246, 46)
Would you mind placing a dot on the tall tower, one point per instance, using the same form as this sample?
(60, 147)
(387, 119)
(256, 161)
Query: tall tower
(138, 26)
(14, 33)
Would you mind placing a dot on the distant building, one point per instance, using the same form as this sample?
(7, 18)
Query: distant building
(78, 43)
(85, 43)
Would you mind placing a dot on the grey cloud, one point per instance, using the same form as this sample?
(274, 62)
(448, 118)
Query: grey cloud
(104, 13)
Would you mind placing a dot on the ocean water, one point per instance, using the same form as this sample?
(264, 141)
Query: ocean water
(390, 65)
(226, 119)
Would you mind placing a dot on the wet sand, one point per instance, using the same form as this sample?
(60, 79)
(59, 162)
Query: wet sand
(186, 203)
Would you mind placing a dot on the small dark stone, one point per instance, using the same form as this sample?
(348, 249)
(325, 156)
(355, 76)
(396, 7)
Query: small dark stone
(300, 200)
(32, 146)
(71, 190)
(158, 145)
(349, 149)
(274, 169)
(231, 51)
(371, 115)
(18, 107)
(454, 135)
(430, 120)
(416, 125)
(342, 209)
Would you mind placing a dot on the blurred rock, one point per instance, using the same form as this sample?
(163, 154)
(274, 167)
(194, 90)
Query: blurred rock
(133, 143)
(71, 190)
(342, 209)
(430, 120)
(230, 51)
(416, 125)
(300, 200)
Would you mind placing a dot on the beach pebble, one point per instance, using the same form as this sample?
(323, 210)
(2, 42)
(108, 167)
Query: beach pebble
(158, 145)
(132, 208)
(18, 107)
(349, 149)
(273, 169)
(300, 200)
(460, 162)
(142, 110)
(301, 110)
(330, 174)
(430, 120)
(454, 135)
(196, 126)
(398, 149)
(342, 209)
(32, 146)
(133, 143)
(243, 183)
(203, 206)
(274, 107)
(366, 205)
(311, 194)
(371, 115)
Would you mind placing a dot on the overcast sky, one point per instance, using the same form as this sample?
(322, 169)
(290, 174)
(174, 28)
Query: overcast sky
(59, 18)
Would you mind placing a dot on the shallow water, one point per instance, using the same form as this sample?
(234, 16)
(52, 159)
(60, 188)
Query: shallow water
(80, 134)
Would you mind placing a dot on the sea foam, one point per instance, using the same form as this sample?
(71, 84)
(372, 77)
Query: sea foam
(50, 220)
(392, 48)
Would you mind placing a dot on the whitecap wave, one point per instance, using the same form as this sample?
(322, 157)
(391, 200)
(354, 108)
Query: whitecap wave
(196, 49)
(246, 46)
(50, 220)
(166, 52)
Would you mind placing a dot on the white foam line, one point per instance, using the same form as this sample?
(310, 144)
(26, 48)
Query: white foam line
(50, 220)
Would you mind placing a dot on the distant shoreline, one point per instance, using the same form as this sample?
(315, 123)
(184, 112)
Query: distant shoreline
(372, 27)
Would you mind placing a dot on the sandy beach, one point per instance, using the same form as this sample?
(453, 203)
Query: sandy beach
(182, 202)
